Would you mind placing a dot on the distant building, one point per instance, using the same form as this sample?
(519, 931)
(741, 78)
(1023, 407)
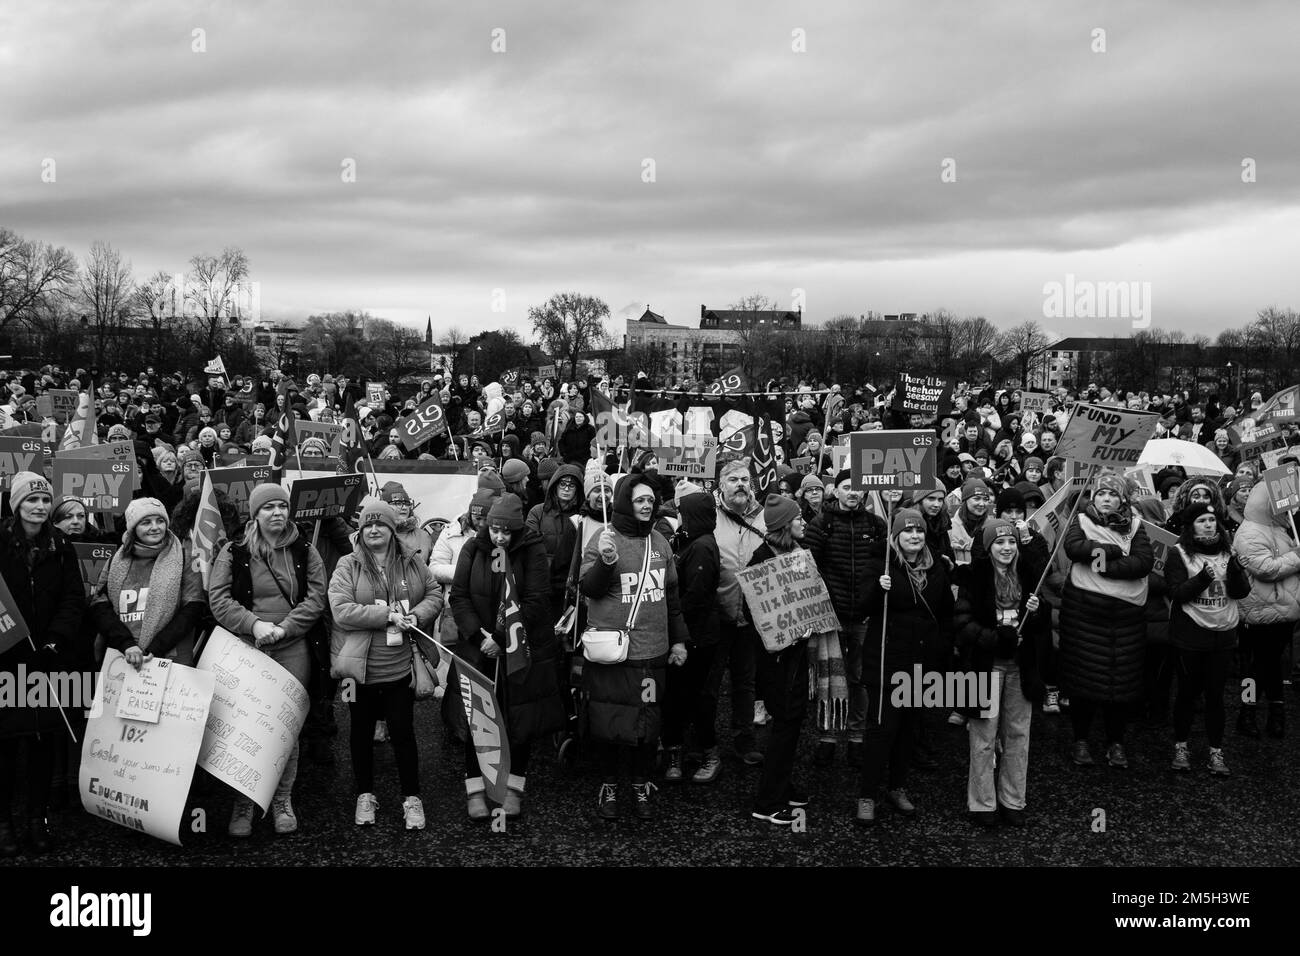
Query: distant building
(714, 319)
(276, 345)
(1078, 361)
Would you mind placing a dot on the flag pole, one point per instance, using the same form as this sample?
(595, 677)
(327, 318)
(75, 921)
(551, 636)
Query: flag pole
(55, 694)
(1051, 558)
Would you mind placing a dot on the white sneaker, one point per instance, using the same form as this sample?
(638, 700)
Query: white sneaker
(413, 811)
(285, 819)
(1052, 703)
(956, 719)
(761, 717)
(381, 731)
(366, 806)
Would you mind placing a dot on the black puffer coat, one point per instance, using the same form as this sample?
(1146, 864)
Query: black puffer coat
(699, 568)
(1103, 638)
(914, 620)
(980, 641)
(841, 543)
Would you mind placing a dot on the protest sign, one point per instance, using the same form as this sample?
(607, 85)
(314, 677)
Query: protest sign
(142, 691)
(901, 459)
(92, 558)
(1161, 541)
(1049, 520)
(12, 626)
(1283, 485)
(375, 394)
(334, 496)
(694, 456)
(138, 775)
(1264, 439)
(510, 378)
(1280, 408)
(787, 598)
(107, 451)
(426, 422)
(802, 465)
(1142, 479)
(328, 432)
(928, 395)
(99, 484)
(1040, 402)
(19, 454)
(238, 483)
(257, 710)
(1108, 437)
(63, 403)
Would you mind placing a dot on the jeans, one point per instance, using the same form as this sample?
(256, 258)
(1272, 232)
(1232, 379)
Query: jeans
(1262, 645)
(735, 651)
(851, 641)
(394, 702)
(783, 680)
(1011, 727)
(1201, 672)
(688, 704)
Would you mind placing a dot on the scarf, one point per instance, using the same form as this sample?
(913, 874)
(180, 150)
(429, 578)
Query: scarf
(1006, 584)
(268, 551)
(829, 682)
(164, 582)
(916, 573)
(1119, 520)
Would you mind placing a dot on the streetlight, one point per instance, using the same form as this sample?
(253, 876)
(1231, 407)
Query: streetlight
(473, 360)
(1237, 393)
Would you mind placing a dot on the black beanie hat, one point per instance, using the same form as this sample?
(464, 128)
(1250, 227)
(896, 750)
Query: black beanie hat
(1009, 498)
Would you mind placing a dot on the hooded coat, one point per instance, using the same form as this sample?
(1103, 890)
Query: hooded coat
(699, 568)
(551, 521)
(1265, 548)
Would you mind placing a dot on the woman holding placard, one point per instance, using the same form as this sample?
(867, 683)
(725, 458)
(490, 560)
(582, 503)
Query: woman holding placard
(269, 590)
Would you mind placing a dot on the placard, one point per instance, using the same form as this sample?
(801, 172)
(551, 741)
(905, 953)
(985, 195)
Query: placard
(19, 454)
(897, 459)
(1161, 541)
(13, 628)
(138, 775)
(63, 404)
(928, 395)
(105, 451)
(787, 598)
(1105, 436)
(694, 456)
(328, 432)
(142, 691)
(334, 496)
(1283, 484)
(238, 483)
(425, 422)
(92, 558)
(1142, 479)
(375, 394)
(1266, 438)
(257, 711)
(99, 484)
(1040, 402)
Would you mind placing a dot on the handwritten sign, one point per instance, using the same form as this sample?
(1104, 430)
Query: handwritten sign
(1108, 437)
(928, 395)
(238, 483)
(1161, 542)
(138, 775)
(1040, 402)
(426, 422)
(787, 598)
(317, 499)
(257, 711)
(1283, 485)
(897, 459)
(19, 454)
(142, 691)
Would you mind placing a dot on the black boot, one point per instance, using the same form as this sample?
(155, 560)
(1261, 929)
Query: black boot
(37, 836)
(1276, 726)
(1247, 722)
(8, 840)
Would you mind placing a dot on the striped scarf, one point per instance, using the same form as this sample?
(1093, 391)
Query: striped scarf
(830, 682)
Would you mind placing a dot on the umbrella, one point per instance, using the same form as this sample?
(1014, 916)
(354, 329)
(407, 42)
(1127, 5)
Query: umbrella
(1192, 458)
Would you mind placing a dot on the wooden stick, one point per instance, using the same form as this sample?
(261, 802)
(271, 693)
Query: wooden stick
(1052, 556)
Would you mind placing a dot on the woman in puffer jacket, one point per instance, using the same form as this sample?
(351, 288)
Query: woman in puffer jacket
(1267, 551)
(378, 593)
(446, 552)
(1103, 616)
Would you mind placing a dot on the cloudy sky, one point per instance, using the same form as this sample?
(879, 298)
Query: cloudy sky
(774, 170)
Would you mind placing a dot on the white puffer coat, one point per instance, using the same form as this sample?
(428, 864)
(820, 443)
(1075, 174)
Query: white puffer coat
(1266, 550)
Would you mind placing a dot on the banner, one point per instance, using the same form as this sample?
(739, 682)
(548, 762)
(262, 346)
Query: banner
(1280, 408)
(208, 532)
(1283, 485)
(328, 432)
(216, 367)
(928, 395)
(729, 383)
(1161, 542)
(1107, 437)
(1145, 484)
(138, 774)
(92, 558)
(257, 711)
(80, 431)
(510, 378)
(334, 496)
(696, 456)
(98, 484)
(1049, 519)
(426, 422)
(238, 483)
(787, 598)
(1039, 402)
(510, 618)
(20, 454)
(897, 459)
(13, 629)
(1265, 438)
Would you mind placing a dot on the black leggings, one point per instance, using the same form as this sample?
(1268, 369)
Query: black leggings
(688, 703)
(40, 766)
(1262, 646)
(1113, 714)
(1201, 672)
(393, 701)
(637, 760)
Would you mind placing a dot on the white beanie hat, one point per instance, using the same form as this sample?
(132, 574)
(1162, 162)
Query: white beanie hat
(137, 510)
(24, 485)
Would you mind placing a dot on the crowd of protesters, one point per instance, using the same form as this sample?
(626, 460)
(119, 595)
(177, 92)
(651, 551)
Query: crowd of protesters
(949, 576)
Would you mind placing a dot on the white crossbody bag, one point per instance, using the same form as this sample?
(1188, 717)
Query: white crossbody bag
(609, 645)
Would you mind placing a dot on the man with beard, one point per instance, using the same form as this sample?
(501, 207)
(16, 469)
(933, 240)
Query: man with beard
(739, 532)
(840, 539)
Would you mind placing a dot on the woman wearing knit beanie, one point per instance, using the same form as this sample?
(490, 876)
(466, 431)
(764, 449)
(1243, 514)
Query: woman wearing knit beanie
(377, 594)
(782, 680)
(531, 697)
(630, 564)
(1103, 616)
(995, 597)
(412, 537)
(919, 611)
(269, 590)
(810, 495)
(40, 568)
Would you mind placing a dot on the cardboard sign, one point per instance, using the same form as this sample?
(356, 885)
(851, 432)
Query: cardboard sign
(328, 432)
(142, 691)
(335, 496)
(695, 456)
(1107, 437)
(426, 422)
(92, 558)
(787, 598)
(138, 775)
(928, 395)
(898, 459)
(1040, 402)
(99, 484)
(375, 394)
(19, 454)
(1283, 485)
(1161, 542)
(257, 711)
(238, 483)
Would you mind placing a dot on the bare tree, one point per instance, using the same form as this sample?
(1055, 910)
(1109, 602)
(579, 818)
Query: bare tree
(105, 289)
(156, 298)
(755, 302)
(212, 287)
(1024, 346)
(975, 346)
(396, 349)
(32, 275)
(568, 324)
